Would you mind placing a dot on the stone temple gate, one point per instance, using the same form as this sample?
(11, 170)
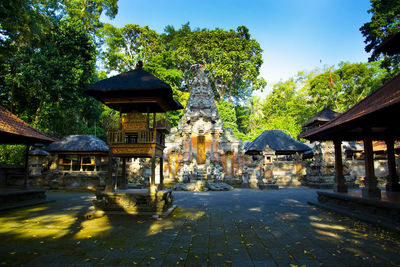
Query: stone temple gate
(201, 148)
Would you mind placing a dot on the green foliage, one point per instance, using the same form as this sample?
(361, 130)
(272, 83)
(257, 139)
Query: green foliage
(231, 59)
(51, 96)
(293, 102)
(129, 44)
(227, 114)
(242, 115)
(385, 22)
(351, 83)
(89, 12)
(12, 154)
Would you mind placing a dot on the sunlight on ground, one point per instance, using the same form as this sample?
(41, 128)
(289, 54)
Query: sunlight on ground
(29, 223)
(159, 226)
(315, 218)
(291, 201)
(325, 233)
(94, 227)
(328, 226)
(255, 209)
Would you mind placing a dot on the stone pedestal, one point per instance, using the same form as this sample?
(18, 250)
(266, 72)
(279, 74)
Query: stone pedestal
(134, 201)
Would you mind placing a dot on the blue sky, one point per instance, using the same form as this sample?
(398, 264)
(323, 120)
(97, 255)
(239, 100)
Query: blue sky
(295, 35)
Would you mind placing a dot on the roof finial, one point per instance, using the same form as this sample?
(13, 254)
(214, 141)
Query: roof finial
(139, 65)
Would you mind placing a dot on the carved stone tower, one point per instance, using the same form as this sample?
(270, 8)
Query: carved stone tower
(200, 148)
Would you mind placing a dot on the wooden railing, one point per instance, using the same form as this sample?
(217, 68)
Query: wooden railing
(131, 137)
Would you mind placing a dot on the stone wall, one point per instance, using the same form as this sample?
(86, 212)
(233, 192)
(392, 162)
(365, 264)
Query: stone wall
(10, 172)
(62, 180)
(288, 173)
(357, 170)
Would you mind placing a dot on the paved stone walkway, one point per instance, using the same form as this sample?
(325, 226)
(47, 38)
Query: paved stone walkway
(244, 227)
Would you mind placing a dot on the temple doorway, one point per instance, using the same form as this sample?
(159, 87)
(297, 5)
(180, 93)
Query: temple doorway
(201, 150)
(229, 164)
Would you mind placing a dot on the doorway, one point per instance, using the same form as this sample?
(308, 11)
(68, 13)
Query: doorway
(201, 150)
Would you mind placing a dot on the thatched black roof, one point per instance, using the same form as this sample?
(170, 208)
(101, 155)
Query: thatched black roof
(321, 117)
(134, 85)
(78, 143)
(278, 141)
(38, 152)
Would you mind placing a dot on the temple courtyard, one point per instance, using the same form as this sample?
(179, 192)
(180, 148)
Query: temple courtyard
(243, 227)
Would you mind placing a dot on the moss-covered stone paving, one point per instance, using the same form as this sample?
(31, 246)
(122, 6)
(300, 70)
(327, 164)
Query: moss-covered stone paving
(243, 227)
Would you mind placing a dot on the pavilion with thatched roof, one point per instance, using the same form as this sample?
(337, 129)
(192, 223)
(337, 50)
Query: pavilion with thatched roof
(136, 94)
(79, 153)
(277, 141)
(322, 117)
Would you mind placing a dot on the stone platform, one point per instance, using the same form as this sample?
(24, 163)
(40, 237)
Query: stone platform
(268, 186)
(134, 202)
(202, 186)
(384, 212)
(15, 198)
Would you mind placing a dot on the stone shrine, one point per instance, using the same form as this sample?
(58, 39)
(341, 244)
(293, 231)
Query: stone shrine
(201, 148)
(321, 171)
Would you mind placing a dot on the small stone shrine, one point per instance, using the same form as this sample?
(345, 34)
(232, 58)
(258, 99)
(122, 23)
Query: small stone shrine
(201, 148)
(273, 159)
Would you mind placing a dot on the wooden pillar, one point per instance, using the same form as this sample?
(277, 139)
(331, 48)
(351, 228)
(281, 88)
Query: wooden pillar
(122, 180)
(109, 183)
(26, 174)
(340, 183)
(153, 187)
(370, 189)
(392, 183)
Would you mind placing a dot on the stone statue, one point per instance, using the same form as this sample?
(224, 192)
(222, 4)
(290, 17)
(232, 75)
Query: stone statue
(185, 175)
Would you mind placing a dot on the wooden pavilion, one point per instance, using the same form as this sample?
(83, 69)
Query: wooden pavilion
(373, 118)
(370, 119)
(13, 130)
(142, 100)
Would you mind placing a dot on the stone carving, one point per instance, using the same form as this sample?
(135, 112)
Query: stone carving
(202, 140)
(321, 171)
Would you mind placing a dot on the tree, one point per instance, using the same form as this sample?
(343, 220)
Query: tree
(89, 12)
(51, 96)
(284, 107)
(351, 83)
(129, 44)
(231, 59)
(385, 22)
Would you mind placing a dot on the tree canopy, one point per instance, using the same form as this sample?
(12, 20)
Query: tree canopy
(293, 102)
(385, 22)
(47, 59)
(231, 58)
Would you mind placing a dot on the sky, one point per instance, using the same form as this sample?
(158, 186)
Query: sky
(295, 35)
